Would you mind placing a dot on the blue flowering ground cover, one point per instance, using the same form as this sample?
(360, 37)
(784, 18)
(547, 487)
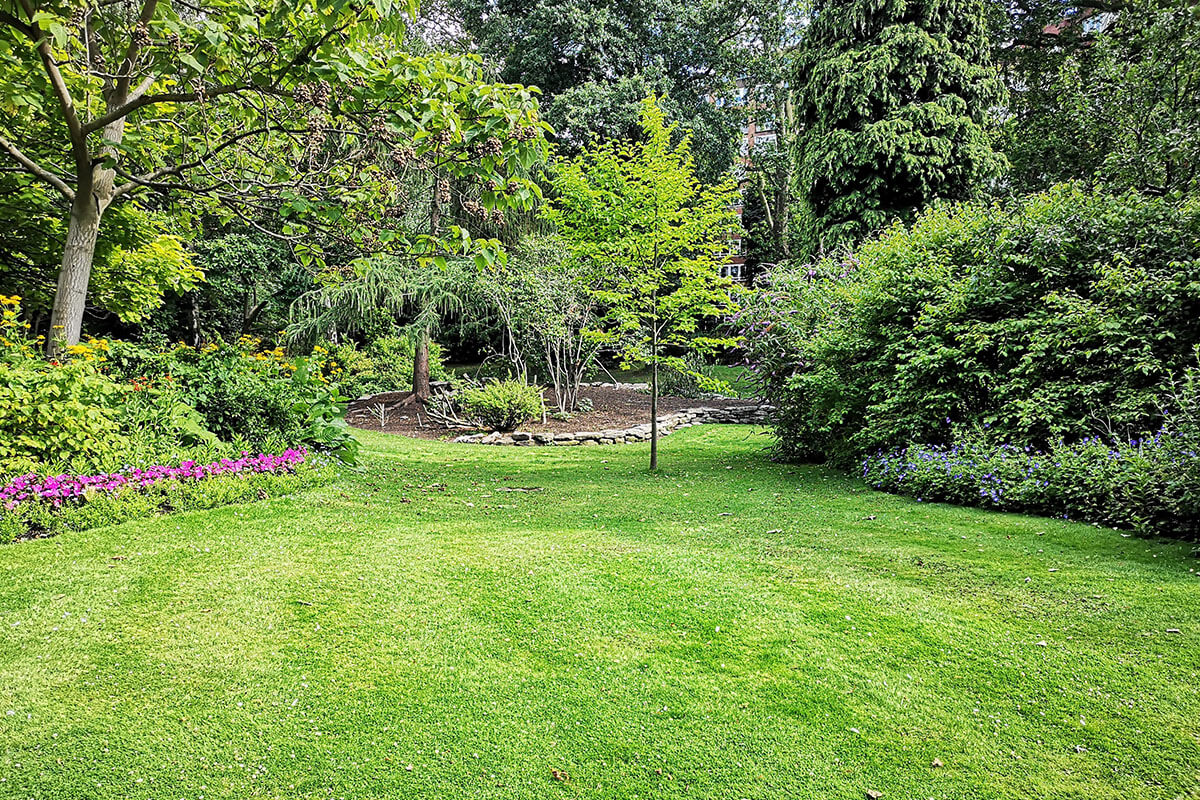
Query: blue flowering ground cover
(1150, 484)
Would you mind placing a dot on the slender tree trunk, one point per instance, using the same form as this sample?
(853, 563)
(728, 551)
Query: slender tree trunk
(421, 388)
(194, 318)
(654, 399)
(66, 321)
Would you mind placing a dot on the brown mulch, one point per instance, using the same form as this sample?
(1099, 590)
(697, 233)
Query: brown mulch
(611, 408)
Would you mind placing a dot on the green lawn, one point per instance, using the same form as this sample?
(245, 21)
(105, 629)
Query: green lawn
(727, 628)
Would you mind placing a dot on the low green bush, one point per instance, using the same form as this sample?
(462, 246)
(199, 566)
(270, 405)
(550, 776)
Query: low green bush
(693, 378)
(51, 411)
(501, 405)
(75, 415)
(243, 393)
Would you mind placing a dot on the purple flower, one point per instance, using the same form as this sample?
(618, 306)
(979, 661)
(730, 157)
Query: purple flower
(55, 489)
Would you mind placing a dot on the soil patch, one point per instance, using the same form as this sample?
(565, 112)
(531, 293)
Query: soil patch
(611, 408)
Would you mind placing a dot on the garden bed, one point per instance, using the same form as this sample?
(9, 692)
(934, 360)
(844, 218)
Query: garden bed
(612, 408)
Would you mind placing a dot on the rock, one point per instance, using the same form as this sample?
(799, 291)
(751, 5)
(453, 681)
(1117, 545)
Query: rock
(563, 437)
(543, 438)
(565, 442)
(520, 436)
(589, 442)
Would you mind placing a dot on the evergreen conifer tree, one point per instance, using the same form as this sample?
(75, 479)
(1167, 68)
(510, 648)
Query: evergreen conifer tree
(893, 103)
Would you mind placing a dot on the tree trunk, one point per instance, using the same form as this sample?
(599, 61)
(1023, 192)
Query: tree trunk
(654, 401)
(94, 191)
(194, 318)
(421, 388)
(66, 321)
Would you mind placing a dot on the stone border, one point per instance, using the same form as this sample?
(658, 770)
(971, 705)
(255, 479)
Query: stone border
(678, 420)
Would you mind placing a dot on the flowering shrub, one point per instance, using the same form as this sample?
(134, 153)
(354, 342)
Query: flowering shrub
(243, 393)
(33, 505)
(117, 402)
(1150, 484)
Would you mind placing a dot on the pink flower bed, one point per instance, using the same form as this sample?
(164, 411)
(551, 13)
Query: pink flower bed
(58, 489)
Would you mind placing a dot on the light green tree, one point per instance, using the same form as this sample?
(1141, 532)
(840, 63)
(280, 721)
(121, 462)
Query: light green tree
(648, 241)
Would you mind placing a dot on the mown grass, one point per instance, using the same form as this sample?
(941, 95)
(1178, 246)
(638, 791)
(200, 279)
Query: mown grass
(726, 628)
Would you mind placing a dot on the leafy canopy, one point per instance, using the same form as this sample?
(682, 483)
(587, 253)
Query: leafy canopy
(306, 111)
(648, 239)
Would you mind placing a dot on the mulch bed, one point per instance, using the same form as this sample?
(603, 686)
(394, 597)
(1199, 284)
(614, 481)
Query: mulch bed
(611, 408)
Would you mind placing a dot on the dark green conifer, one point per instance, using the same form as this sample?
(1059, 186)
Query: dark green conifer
(893, 98)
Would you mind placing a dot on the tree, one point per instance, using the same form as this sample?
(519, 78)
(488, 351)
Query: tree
(250, 281)
(649, 240)
(1110, 96)
(767, 185)
(595, 61)
(139, 256)
(298, 111)
(893, 103)
(548, 312)
(400, 288)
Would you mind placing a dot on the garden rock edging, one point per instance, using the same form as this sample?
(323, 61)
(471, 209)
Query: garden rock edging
(678, 420)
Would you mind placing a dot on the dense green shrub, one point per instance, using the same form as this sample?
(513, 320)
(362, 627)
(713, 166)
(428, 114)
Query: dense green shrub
(72, 414)
(1056, 316)
(383, 365)
(501, 405)
(244, 394)
(691, 376)
(56, 412)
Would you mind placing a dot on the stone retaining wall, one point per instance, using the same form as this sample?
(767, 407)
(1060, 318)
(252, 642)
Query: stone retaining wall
(734, 415)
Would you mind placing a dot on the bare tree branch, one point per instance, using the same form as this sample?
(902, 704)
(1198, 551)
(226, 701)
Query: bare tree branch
(125, 74)
(137, 101)
(153, 179)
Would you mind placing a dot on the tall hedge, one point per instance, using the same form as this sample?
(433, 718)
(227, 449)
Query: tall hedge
(1057, 316)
